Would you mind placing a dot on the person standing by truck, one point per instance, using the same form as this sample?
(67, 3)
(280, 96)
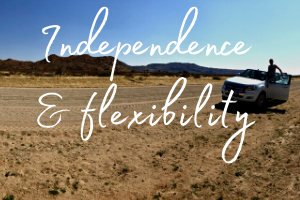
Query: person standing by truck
(272, 71)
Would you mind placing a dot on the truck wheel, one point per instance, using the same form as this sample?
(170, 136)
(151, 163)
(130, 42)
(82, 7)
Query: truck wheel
(261, 101)
(224, 98)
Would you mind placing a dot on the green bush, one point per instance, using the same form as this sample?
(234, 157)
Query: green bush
(238, 174)
(216, 78)
(129, 75)
(104, 74)
(9, 197)
(53, 192)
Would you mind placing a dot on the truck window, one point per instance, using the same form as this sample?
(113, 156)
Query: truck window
(282, 80)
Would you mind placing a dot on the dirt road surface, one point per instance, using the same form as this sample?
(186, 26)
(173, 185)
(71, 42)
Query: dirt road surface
(19, 107)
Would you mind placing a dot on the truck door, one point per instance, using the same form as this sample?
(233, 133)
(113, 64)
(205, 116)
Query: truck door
(280, 89)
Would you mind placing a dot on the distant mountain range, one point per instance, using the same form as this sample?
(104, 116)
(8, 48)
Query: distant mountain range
(86, 64)
(176, 67)
(79, 64)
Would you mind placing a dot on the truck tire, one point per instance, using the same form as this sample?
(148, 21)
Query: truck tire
(224, 98)
(261, 101)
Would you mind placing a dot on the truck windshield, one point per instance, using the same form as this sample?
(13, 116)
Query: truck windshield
(255, 74)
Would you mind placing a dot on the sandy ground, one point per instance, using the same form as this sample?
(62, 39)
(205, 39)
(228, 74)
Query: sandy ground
(145, 162)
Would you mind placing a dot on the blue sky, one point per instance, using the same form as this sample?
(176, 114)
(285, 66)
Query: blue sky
(272, 28)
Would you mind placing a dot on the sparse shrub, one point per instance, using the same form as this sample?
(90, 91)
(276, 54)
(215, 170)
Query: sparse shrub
(238, 174)
(129, 75)
(68, 181)
(9, 197)
(104, 74)
(157, 196)
(75, 185)
(53, 192)
(160, 153)
(154, 164)
(206, 184)
(280, 133)
(255, 198)
(106, 183)
(201, 137)
(63, 190)
(175, 168)
(216, 78)
(125, 170)
(185, 73)
(196, 76)
(141, 78)
(174, 186)
(292, 151)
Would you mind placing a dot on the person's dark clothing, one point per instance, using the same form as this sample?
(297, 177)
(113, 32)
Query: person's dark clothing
(271, 71)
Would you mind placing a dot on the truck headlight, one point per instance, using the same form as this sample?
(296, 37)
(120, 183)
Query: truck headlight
(249, 88)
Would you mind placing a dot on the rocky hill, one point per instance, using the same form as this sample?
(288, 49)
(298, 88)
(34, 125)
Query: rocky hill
(88, 65)
(176, 67)
(85, 64)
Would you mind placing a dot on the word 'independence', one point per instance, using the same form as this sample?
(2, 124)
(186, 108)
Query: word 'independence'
(115, 117)
(136, 47)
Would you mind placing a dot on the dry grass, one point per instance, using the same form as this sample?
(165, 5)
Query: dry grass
(97, 82)
(297, 78)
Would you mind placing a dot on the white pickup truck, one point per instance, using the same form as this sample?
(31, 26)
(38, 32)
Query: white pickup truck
(252, 86)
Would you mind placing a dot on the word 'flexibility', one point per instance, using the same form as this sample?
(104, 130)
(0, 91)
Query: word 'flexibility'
(115, 117)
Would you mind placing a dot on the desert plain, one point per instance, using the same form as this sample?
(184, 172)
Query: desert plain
(146, 162)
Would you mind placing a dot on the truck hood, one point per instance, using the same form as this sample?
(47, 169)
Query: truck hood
(244, 81)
